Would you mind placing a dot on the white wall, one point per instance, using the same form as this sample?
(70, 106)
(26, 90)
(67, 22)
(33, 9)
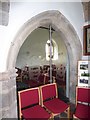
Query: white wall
(23, 11)
(32, 52)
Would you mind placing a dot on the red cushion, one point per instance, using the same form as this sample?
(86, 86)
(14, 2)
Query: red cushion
(86, 94)
(48, 91)
(56, 105)
(33, 83)
(41, 78)
(35, 112)
(47, 79)
(29, 97)
(82, 111)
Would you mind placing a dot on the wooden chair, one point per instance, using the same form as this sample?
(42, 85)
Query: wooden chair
(41, 78)
(49, 99)
(47, 79)
(19, 75)
(82, 103)
(29, 105)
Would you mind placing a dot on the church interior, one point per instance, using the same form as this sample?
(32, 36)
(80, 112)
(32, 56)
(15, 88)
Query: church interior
(44, 59)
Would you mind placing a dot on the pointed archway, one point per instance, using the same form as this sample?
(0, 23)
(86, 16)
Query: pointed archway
(66, 31)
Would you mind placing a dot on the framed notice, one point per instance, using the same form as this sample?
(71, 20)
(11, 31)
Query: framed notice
(86, 40)
(83, 73)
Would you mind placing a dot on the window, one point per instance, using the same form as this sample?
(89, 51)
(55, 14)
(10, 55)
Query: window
(53, 50)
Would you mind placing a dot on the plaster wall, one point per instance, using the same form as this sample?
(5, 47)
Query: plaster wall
(21, 12)
(32, 52)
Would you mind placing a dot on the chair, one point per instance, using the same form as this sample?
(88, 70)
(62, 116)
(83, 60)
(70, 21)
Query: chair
(41, 78)
(19, 75)
(50, 100)
(29, 105)
(82, 103)
(61, 77)
(47, 79)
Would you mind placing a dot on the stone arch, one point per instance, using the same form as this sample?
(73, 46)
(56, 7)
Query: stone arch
(66, 31)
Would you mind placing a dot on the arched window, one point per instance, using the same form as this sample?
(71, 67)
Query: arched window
(53, 49)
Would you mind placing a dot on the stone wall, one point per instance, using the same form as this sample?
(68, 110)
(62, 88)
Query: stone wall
(8, 97)
(86, 9)
(4, 12)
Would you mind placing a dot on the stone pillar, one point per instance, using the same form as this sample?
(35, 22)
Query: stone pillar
(8, 95)
(86, 9)
(4, 12)
(73, 83)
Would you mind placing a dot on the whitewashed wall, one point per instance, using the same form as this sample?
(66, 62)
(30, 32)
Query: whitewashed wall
(21, 12)
(33, 51)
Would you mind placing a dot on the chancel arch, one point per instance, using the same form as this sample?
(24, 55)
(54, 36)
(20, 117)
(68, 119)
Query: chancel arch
(60, 23)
